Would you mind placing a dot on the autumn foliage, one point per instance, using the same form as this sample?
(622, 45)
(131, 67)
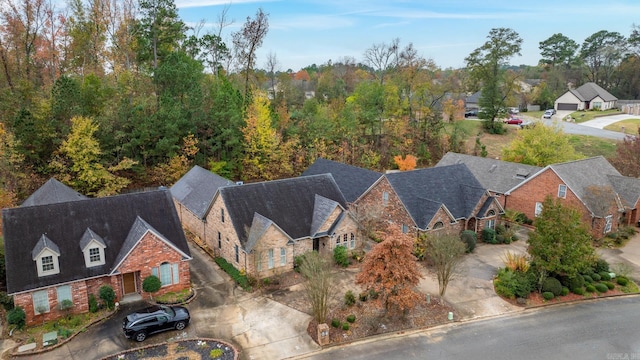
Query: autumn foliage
(408, 163)
(391, 270)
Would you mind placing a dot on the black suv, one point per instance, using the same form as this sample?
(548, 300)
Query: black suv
(154, 319)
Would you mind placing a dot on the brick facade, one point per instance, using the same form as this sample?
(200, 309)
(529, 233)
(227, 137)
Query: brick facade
(149, 252)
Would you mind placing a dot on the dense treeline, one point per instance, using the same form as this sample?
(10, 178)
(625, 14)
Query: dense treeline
(113, 94)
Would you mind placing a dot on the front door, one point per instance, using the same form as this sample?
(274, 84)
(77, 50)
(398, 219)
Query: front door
(129, 283)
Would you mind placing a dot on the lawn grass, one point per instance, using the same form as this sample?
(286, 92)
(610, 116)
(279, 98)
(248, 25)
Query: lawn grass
(590, 146)
(582, 116)
(630, 126)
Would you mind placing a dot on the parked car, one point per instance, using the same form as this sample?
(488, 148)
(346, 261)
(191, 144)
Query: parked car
(549, 113)
(514, 110)
(154, 319)
(513, 121)
(471, 113)
(527, 124)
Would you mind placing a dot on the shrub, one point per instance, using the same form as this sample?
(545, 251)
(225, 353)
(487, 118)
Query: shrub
(17, 317)
(512, 284)
(470, 239)
(363, 296)
(297, 262)
(341, 256)
(64, 333)
(590, 288)
(151, 284)
(373, 294)
(499, 239)
(604, 276)
(587, 279)
(514, 238)
(239, 278)
(565, 291)
(610, 285)
(107, 295)
(65, 304)
(601, 265)
(622, 281)
(515, 262)
(575, 282)
(595, 277)
(601, 288)
(6, 301)
(578, 291)
(216, 353)
(93, 303)
(547, 295)
(349, 298)
(507, 240)
(553, 285)
(345, 326)
(489, 236)
(335, 323)
(351, 318)
(500, 229)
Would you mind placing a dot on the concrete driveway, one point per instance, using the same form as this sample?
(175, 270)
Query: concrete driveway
(601, 122)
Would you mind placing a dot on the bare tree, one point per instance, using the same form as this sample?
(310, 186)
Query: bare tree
(446, 252)
(247, 41)
(317, 270)
(272, 66)
(382, 57)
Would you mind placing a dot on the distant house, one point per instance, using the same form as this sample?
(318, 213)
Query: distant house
(53, 191)
(444, 198)
(57, 251)
(604, 197)
(353, 181)
(497, 176)
(472, 102)
(589, 96)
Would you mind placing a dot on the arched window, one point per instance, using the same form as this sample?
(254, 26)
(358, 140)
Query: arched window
(438, 225)
(491, 213)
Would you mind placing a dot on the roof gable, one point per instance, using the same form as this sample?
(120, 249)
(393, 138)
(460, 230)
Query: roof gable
(322, 210)
(44, 243)
(66, 224)
(288, 203)
(591, 90)
(53, 191)
(628, 188)
(353, 181)
(196, 189)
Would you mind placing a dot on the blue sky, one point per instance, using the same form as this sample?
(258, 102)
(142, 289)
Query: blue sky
(314, 31)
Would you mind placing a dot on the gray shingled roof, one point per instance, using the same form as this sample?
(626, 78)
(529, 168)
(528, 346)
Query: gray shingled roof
(628, 188)
(53, 191)
(495, 175)
(424, 191)
(289, 203)
(352, 180)
(196, 189)
(591, 90)
(65, 224)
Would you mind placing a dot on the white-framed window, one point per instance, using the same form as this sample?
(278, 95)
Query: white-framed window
(270, 258)
(385, 198)
(64, 293)
(608, 222)
(40, 302)
(94, 255)
(438, 225)
(283, 256)
(353, 241)
(167, 273)
(490, 224)
(562, 191)
(538, 209)
(338, 240)
(405, 228)
(47, 263)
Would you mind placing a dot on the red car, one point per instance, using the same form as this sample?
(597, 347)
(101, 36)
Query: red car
(513, 121)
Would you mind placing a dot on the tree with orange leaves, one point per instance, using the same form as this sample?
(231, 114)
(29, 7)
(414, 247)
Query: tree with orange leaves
(408, 163)
(391, 270)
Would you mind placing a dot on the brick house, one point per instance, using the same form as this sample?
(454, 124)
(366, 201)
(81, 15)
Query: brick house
(261, 227)
(497, 176)
(353, 181)
(193, 194)
(444, 198)
(67, 250)
(605, 198)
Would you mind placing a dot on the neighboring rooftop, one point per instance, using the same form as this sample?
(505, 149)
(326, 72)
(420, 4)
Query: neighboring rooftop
(353, 181)
(196, 189)
(51, 192)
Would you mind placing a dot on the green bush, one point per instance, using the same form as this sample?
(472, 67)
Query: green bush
(64, 333)
(17, 317)
(499, 239)
(587, 279)
(341, 256)
(622, 281)
(363, 296)
(553, 285)
(489, 236)
(349, 298)
(65, 304)
(601, 265)
(345, 326)
(151, 284)
(216, 353)
(602, 288)
(512, 284)
(596, 277)
(470, 238)
(93, 303)
(351, 318)
(507, 239)
(335, 323)
(610, 285)
(575, 282)
(108, 296)
(565, 291)
(500, 229)
(6, 301)
(373, 294)
(297, 262)
(578, 291)
(604, 276)
(590, 288)
(235, 274)
(548, 295)
(514, 238)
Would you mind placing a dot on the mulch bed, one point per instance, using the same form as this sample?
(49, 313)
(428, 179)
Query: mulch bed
(194, 349)
(536, 299)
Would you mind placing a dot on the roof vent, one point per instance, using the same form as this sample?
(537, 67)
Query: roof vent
(239, 182)
(493, 168)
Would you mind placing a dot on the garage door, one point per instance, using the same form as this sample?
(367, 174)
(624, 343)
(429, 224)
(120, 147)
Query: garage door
(565, 106)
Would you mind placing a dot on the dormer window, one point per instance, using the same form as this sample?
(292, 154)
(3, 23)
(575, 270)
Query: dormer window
(47, 263)
(92, 247)
(46, 254)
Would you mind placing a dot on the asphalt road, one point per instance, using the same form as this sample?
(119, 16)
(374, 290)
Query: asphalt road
(601, 329)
